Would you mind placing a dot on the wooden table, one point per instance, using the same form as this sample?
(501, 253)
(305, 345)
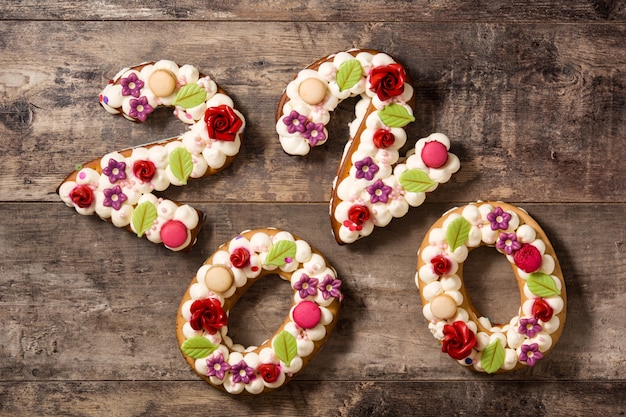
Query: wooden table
(532, 94)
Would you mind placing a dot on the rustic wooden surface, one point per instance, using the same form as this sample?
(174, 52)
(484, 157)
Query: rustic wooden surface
(532, 94)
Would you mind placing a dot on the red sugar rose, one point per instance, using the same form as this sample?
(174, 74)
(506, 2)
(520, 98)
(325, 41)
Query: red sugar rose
(387, 81)
(240, 258)
(383, 138)
(527, 258)
(82, 196)
(358, 214)
(458, 340)
(222, 123)
(207, 314)
(269, 372)
(541, 310)
(144, 170)
(441, 265)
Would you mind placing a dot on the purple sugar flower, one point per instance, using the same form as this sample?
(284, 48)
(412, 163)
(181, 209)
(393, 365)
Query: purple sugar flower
(529, 326)
(366, 168)
(530, 354)
(306, 286)
(499, 219)
(295, 122)
(115, 170)
(379, 192)
(216, 365)
(139, 108)
(330, 287)
(314, 133)
(131, 85)
(242, 372)
(508, 243)
(114, 197)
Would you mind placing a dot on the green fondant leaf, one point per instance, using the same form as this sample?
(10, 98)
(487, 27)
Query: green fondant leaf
(279, 253)
(415, 181)
(396, 115)
(143, 217)
(190, 95)
(492, 357)
(542, 285)
(457, 233)
(349, 74)
(181, 164)
(198, 347)
(285, 347)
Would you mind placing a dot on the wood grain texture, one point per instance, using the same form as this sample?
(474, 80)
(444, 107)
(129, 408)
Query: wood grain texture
(98, 305)
(532, 95)
(319, 10)
(534, 111)
(335, 399)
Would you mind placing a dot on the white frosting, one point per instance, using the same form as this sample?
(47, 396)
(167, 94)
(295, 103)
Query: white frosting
(526, 337)
(370, 167)
(352, 190)
(312, 281)
(194, 145)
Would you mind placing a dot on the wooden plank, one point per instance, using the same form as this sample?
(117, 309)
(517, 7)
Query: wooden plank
(532, 94)
(81, 300)
(310, 398)
(278, 10)
(534, 110)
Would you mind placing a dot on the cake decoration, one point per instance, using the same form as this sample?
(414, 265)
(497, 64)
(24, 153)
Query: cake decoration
(120, 186)
(202, 321)
(467, 336)
(371, 187)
